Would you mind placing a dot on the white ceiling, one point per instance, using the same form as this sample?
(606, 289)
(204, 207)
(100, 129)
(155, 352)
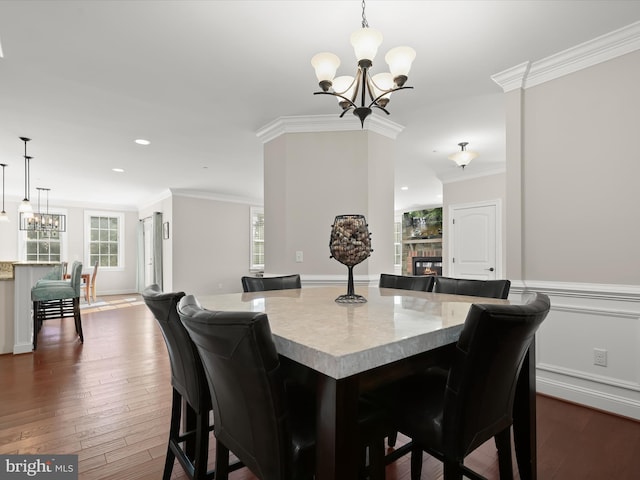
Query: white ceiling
(198, 79)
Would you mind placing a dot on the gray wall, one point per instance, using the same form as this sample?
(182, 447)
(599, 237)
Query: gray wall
(581, 170)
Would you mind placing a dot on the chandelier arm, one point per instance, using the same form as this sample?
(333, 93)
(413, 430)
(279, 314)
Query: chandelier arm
(351, 104)
(374, 103)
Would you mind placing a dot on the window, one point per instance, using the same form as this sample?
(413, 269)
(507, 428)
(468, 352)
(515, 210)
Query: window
(257, 238)
(42, 246)
(105, 233)
(397, 243)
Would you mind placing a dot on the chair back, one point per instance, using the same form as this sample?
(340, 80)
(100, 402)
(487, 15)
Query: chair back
(76, 277)
(476, 288)
(95, 272)
(187, 373)
(482, 380)
(261, 284)
(422, 283)
(247, 388)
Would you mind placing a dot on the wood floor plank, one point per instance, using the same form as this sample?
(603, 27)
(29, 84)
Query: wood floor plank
(109, 401)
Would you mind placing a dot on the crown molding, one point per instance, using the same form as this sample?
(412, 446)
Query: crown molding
(327, 123)
(461, 175)
(202, 194)
(600, 49)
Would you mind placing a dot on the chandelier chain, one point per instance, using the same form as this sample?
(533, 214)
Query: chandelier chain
(365, 24)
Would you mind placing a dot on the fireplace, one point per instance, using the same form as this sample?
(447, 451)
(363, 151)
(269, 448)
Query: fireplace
(427, 266)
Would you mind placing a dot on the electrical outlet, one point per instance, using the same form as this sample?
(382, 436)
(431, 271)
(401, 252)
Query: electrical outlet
(299, 256)
(600, 357)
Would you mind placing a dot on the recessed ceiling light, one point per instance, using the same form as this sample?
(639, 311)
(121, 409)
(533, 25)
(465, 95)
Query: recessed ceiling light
(142, 141)
(119, 170)
(404, 188)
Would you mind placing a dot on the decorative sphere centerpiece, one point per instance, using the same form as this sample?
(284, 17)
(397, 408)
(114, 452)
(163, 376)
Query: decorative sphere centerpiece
(350, 244)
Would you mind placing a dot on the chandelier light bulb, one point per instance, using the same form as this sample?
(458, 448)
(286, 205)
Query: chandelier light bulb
(365, 42)
(381, 83)
(399, 60)
(325, 64)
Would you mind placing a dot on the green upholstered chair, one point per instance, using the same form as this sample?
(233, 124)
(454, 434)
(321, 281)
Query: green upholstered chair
(57, 299)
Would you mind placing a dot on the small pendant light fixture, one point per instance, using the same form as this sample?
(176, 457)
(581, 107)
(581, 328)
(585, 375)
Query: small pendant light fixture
(4, 218)
(25, 207)
(463, 157)
(352, 92)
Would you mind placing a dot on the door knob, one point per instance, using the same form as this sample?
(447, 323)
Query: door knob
(490, 269)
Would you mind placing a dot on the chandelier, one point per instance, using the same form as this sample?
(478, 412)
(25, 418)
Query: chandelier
(43, 221)
(364, 92)
(463, 157)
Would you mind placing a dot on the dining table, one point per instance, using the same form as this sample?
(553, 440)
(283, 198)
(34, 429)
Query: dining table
(352, 348)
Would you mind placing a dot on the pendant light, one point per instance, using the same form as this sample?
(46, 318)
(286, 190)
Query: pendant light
(4, 218)
(25, 207)
(463, 157)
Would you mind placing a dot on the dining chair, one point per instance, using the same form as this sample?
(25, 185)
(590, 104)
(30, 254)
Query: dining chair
(90, 288)
(267, 423)
(261, 284)
(57, 299)
(449, 412)
(421, 283)
(189, 444)
(476, 288)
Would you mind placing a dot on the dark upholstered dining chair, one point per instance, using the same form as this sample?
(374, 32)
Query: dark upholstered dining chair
(267, 423)
(476, 288)
(57, 299)
(421, 283)
(261, 284)
(191, 443)
(449, 412)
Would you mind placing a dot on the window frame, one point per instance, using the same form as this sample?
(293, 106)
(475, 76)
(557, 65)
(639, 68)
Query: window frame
(88, 215)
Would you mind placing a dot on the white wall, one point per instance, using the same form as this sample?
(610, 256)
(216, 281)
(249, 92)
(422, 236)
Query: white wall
(310, 178)
(210, 242)
(578, 188)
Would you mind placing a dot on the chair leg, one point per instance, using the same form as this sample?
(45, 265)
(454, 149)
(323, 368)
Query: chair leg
(174, 433)
(77, 318)
(503, 442)
(416, 462)
(391, 439)
(36, 326)
(222, 461)
(202, 446)
(452, 470)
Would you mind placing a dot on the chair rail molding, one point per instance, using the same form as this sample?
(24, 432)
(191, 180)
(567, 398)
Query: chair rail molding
(584, 317)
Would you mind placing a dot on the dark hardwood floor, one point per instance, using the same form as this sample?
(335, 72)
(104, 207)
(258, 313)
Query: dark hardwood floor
(108, 401)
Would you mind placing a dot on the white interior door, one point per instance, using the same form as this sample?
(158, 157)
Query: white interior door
(474, 241)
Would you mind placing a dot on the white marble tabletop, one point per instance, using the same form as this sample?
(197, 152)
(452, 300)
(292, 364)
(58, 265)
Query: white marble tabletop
(342, 340)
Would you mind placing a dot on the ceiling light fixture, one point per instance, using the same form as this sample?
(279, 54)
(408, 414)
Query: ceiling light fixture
(25, 206)
(3, 215)
(463, 157)
(43, 221)
(377, 88)
(142, 141)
